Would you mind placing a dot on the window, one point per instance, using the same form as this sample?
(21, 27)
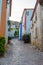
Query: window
(7, 2)
(0, 8)
(36, 17)
(27, 13)
(34, 21)
(36, 32)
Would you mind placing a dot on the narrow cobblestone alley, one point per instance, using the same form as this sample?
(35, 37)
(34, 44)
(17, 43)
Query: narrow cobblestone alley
(19, 53)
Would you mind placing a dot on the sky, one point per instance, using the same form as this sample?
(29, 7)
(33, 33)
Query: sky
(18, 6)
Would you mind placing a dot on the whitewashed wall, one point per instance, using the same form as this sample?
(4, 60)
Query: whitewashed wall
(28, 22)
(7, 17)
(23, 30)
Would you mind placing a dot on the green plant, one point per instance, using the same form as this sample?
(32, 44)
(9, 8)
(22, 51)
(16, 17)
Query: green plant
(9, 38)
(9, 22)
(26, 38)
(2, 46)
(16, 33)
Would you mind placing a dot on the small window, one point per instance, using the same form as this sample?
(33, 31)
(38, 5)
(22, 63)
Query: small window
(36, 33)
(7, 2)
(36, 17)
(27, 12)
(34, 21)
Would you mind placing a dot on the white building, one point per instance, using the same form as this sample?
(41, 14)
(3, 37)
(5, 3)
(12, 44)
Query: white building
(26, 23)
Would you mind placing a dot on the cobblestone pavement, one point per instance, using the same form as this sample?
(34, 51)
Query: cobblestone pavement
(19, 53)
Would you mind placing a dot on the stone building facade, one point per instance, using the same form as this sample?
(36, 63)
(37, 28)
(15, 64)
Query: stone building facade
(37, 25)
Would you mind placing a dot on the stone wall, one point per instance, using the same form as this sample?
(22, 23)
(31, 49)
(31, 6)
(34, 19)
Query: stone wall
(37, 29)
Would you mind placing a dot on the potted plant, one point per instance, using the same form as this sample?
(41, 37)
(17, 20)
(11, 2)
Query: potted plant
(26, 38)
(9, 39)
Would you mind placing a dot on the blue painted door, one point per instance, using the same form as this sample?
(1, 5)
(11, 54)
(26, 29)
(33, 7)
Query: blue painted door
(20, 31)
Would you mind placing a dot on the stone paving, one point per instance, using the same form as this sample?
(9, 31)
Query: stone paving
(19, 53)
